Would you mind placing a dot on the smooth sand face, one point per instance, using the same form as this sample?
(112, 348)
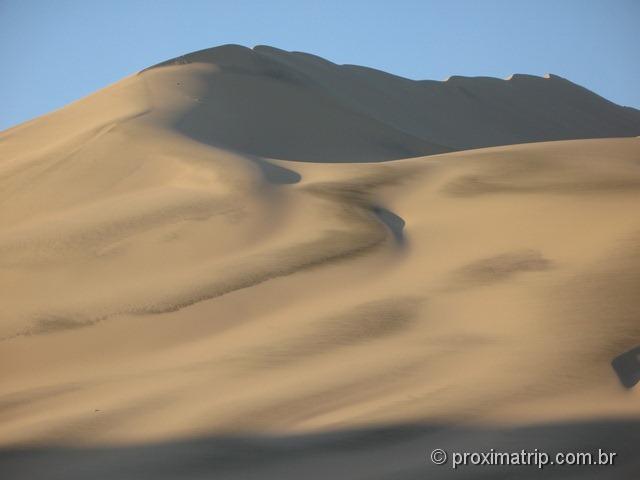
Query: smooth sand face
(295, 106)
(157, 287)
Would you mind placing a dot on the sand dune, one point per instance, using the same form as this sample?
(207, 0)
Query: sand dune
(212, 248)
(296, 106)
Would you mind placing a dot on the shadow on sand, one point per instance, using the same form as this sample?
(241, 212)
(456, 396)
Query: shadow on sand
(627, 366)
(398, 452)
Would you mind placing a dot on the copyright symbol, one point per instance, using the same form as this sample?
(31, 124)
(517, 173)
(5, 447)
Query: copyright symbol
(439, 456)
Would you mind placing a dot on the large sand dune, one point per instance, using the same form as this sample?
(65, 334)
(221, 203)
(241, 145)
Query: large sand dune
(211, 250)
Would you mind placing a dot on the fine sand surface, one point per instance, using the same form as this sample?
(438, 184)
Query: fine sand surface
(227, 266)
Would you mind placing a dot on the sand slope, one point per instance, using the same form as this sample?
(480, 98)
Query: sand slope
(297, 106)
(159, 285)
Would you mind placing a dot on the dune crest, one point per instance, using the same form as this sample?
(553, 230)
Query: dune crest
(346, 113)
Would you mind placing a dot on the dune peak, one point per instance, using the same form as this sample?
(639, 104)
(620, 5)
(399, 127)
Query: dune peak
(278, 104)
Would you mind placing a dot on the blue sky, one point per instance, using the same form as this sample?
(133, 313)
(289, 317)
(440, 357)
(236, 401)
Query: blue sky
(54, 52)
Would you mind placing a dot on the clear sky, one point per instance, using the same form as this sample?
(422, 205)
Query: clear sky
(54, 52)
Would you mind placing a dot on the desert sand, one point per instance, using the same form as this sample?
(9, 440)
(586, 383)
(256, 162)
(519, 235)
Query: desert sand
(250, 263)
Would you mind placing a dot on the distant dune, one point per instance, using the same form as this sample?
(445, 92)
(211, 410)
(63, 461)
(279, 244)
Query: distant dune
(209, 258)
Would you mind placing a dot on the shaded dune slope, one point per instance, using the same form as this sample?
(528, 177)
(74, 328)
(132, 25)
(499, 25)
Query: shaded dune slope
(297, 106)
